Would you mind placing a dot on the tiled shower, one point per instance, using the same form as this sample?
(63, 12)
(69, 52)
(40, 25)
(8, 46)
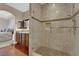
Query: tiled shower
(54, 29)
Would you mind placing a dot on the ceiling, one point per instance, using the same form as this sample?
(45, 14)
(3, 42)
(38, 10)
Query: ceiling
(20, 6)
(5, 15)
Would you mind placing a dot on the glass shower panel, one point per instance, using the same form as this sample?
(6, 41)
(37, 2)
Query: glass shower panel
(59, 37)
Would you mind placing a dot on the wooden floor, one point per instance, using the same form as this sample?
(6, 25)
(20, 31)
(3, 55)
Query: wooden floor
(22, 48)
(11, 51)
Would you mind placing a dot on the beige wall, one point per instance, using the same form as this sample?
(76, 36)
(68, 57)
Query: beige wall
(56, 11)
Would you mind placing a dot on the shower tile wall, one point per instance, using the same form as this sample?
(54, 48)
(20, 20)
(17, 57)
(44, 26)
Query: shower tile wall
(59, 38)
(36, 33)
(36, 26)
(76, 40)
(51, 36)
(76, 7)
(36, 11)
(56, 11)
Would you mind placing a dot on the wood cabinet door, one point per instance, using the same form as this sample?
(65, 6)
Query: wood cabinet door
(17, 38)
(22, 42)
(26, 39)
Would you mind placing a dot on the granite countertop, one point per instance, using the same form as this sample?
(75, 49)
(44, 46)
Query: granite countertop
(22, 30)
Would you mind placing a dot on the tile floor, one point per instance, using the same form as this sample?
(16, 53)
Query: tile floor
(50, 52)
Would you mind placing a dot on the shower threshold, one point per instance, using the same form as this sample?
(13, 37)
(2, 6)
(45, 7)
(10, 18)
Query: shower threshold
(44, 51)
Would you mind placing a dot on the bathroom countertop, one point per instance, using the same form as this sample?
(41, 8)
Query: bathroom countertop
(22, 30)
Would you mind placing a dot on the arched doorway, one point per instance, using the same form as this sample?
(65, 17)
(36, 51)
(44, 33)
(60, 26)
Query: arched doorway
(7, 27)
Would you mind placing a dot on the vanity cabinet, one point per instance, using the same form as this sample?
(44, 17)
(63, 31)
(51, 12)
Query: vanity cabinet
(22, 40)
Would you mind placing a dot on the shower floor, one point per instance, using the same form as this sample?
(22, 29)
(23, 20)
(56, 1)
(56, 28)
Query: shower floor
(44, 51)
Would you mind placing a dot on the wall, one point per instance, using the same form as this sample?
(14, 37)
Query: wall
(76, 40)
(76, 7)
(56, 11)
(4, 24)
(36, 26)
(36, 10)
(36, 33)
